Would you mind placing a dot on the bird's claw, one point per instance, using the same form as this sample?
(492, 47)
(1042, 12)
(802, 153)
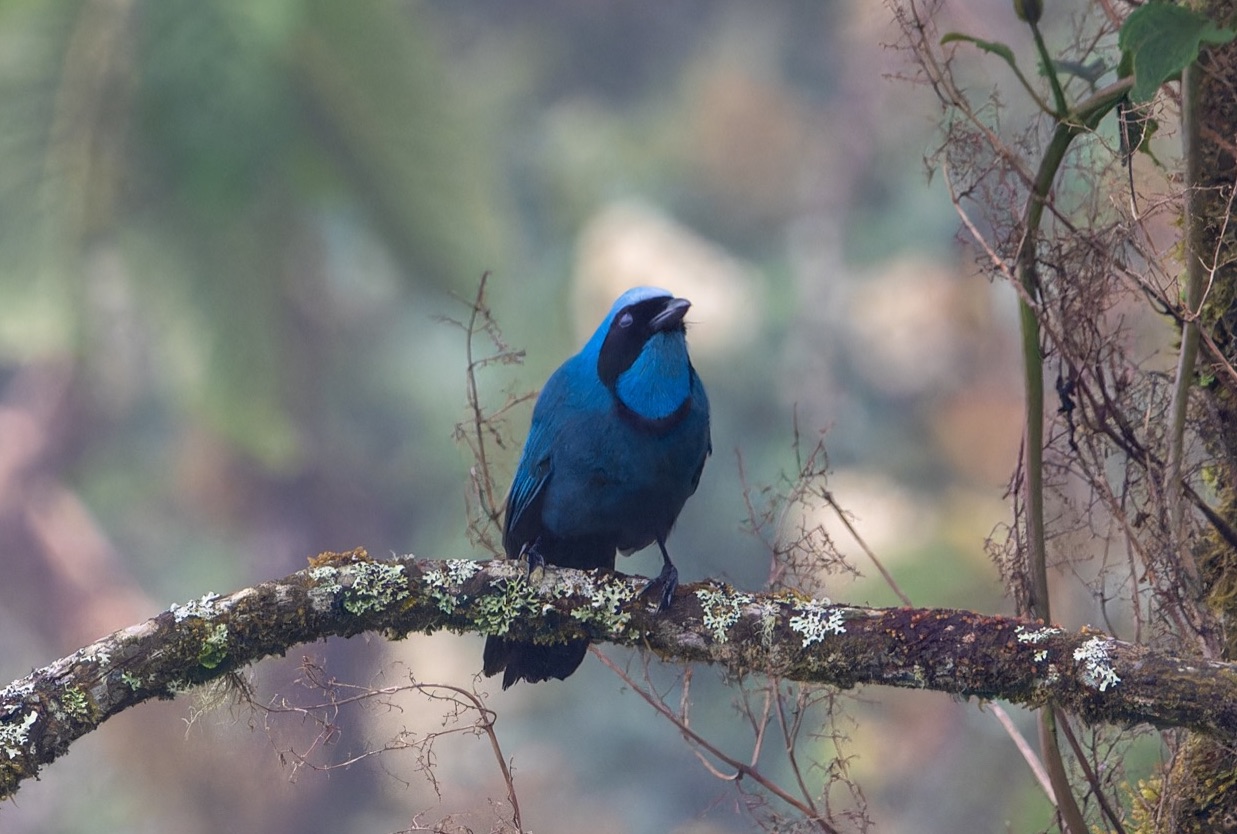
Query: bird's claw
(667, 581)
(533, 560)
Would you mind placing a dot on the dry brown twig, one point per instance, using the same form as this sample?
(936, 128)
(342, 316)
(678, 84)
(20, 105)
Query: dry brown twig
(701, 746)
(485, 427)
(339, 695)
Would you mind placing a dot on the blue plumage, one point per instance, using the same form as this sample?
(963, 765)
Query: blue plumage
(618, 440)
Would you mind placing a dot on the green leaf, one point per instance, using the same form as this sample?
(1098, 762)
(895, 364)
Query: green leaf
(1162, 39)
(994, 47)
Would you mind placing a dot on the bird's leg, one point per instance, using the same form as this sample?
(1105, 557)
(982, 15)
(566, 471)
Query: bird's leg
(532, 555)
(667, 580)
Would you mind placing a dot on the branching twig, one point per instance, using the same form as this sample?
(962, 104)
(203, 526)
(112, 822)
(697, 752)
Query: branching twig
(741, 769)
(484, 426)
(325, 713)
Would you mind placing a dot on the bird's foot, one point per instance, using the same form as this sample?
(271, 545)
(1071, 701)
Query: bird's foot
(534, 561)
(667, 581)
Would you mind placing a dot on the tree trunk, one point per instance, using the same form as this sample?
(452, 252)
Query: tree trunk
(1200, 792)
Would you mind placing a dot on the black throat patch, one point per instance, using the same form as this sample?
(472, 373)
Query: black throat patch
(629, 331)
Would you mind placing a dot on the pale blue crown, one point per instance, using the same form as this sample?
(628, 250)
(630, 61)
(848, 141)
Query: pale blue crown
(632, 296)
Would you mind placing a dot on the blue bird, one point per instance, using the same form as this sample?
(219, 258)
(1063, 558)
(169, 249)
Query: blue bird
(618, 440)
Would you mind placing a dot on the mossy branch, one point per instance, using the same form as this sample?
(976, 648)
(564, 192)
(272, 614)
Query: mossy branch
(963, 653)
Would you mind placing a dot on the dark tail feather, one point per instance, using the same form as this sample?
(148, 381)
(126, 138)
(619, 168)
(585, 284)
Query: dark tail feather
(530, 662)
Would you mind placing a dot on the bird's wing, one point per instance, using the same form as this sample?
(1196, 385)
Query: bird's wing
(527, 489)
(700, 468)
(567, 399)
(702, 401)
(523, 520)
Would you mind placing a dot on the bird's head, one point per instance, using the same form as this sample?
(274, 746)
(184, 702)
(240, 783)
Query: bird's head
(641, 350)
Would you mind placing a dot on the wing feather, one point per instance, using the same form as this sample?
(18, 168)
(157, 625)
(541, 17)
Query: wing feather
(527, 492)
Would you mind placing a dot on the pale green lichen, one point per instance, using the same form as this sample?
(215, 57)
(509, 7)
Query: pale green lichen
(15, 736)
(131, 680)
(770, 614)
(606, 600)
(721, 610)
(496, 612)
(443, 584)
(1036, 635)
(374, 586)
(1096, 663)
(460, 571)
(323, 573)
(75, 703)
(1033, 636)
(816, 622)
(439, 590)
(323, 595)
(97, 653)
(179, 686)
(202, 608)
(214, 648)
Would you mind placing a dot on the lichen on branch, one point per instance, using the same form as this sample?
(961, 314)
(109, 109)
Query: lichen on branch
(784, 634)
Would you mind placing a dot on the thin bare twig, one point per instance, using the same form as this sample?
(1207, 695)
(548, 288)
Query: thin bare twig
(742, 769)
(1024, 748)
(325, 713)
(484, 426)
(872, 557)
(1088, 773)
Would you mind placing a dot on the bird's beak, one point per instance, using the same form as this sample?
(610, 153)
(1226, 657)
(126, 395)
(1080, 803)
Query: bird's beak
(671, 317)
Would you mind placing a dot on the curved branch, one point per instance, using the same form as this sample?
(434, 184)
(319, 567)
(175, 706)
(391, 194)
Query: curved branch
(1092, 675)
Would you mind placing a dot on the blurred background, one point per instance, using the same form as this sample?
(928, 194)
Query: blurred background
(229, 233)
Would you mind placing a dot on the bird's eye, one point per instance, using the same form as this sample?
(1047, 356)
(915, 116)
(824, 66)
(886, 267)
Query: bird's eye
(625, 320)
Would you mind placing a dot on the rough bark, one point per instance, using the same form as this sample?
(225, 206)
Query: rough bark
(964, 653)
(1199, 791)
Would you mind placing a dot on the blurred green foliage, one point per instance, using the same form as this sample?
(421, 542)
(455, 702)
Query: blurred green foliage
(231, 227)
